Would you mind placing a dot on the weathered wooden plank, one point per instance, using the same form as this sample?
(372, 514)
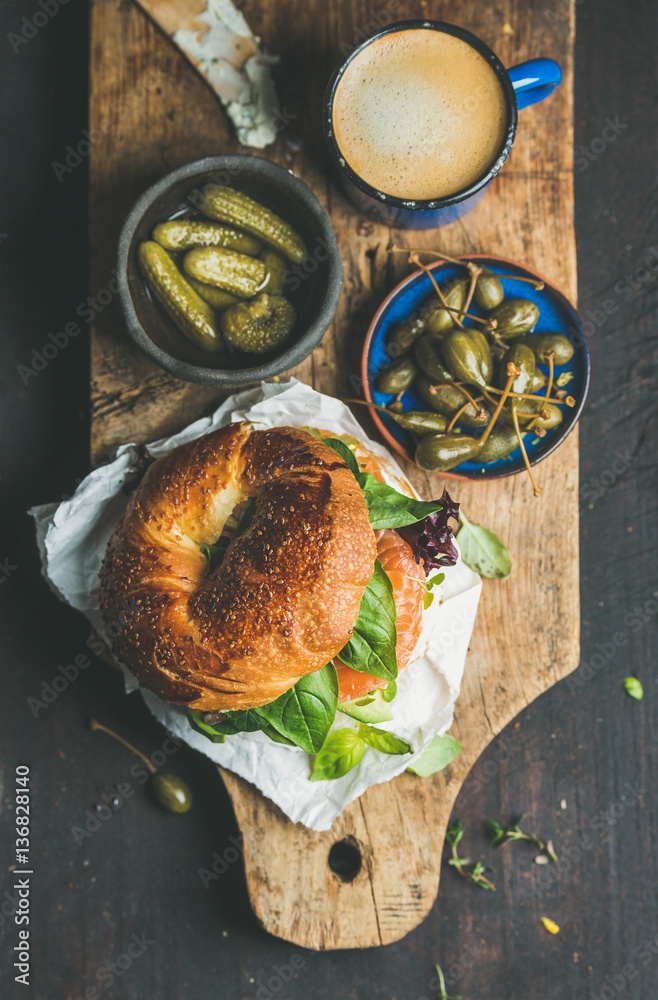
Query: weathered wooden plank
(163, 114)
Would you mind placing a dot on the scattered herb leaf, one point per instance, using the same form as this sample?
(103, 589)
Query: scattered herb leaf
(564, 379)
(441, 751)
(502, 835)
(433, 581)
(483, 551)
(550, 925)
(633, 687)
(454, 834)
(443, 995)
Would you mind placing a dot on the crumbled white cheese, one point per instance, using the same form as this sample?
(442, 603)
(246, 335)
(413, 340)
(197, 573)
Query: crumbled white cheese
(224, 49)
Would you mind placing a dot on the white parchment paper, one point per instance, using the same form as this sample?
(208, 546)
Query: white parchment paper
(72, 537)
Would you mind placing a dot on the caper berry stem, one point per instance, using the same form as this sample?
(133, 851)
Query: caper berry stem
(459, 412)
(537, 283)
(413, 259)
(459, 387)
(374, 406)
(475, 274)
(551, 371)
(528, 395)
(512, 372)
(536, 488)
(93, 724)
(451, 309)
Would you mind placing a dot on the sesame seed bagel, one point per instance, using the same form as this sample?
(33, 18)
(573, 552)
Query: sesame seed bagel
(285, 597)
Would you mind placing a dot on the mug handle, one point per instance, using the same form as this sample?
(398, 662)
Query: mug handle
(534, 80)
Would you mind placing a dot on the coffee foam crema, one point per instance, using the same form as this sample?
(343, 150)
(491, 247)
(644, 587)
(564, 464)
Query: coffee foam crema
(419, 114)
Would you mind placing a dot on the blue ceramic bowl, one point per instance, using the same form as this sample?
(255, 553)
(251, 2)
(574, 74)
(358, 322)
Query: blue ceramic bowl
(557, 315)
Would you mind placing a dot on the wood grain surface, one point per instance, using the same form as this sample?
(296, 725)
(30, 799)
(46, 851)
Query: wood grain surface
(581, 761)
(526, 635)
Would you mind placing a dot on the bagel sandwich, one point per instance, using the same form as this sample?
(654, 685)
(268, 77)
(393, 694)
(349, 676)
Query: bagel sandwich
(268, 579)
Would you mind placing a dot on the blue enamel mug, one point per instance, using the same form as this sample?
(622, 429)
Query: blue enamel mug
(521, 86)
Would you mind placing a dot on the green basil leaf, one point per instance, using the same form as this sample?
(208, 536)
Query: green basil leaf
(196, 720)
(441, 751)
(372, 648)
(342, 750)
(483, 551)
(633, 687)
(240, 721)
(246, 516)
(277, 737)
(385, 742)
(305, 713)
(389, 509)
(345, 453)
(215, 553)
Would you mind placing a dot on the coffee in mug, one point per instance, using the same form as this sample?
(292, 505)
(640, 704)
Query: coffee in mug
(427, 112)
(419, 114)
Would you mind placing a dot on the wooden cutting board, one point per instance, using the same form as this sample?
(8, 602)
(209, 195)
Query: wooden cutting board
(162, 114)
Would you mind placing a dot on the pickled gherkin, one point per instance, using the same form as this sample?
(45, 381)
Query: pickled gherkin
(276, 269)
(228, 205)
(214, 296)
(260, 325)
(186, 234)
(189, 312)
(234, 272)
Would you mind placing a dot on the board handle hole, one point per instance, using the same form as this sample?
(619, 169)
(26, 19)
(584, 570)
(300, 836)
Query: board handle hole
(345, 859)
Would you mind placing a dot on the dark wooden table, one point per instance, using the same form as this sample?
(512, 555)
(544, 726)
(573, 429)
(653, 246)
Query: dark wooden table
(584, 743)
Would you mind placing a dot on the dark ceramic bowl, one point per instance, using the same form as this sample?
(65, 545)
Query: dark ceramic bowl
(557, 315)
(313, 287)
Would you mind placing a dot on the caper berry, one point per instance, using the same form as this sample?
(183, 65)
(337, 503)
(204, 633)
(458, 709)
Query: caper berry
(437, 318)
(463, 358)
(427, 351)
(397, 377)
(404, 336)
(441, 452)
(542, 343)
(514, 317)
(488, 290)
(172, 792)
(501, 442)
